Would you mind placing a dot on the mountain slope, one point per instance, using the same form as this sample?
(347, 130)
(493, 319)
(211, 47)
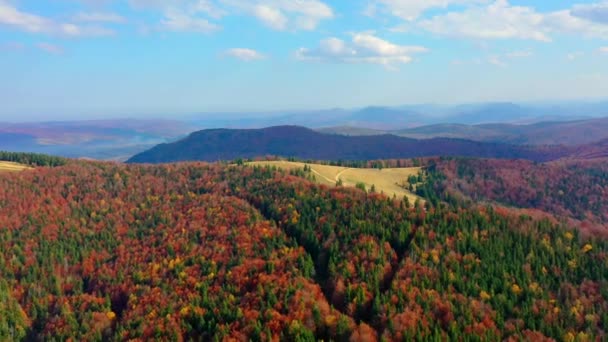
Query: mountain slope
(93, 251)
(571, 189)
(303, 143)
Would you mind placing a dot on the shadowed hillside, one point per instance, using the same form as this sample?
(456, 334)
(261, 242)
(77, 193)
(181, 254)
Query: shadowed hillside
(299, 142)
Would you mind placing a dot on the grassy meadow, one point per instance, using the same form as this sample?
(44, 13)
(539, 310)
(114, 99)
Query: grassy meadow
(12, 167)
(390, 181)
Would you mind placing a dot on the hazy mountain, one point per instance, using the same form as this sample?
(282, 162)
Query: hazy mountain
(121, 138)
(493, 112)
(543, 133)
(350, 130)
(403, 117)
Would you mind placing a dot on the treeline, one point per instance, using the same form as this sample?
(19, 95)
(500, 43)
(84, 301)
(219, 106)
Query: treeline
(96, 251)
(375, 164)
(32, 159)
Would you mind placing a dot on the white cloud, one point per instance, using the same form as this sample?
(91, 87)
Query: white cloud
(412, 9)
(603, 49)
(284, 14)
(243, 54)
(194, 15)
(272, 17)
(11, 16)
(364, 48)
(32, 23)
(496, 21)
(100, 17)
(50, 48)
(178, 21)
(564, 22)
(208, 7)
(501, 20)
(184, 15)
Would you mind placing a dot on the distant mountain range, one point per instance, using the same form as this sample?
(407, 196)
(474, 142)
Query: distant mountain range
(568, 124)
(304, 143)
(568, 133)
(403, 117)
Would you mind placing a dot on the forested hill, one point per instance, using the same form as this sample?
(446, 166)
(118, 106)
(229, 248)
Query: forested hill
(300, 142)
(211, 252)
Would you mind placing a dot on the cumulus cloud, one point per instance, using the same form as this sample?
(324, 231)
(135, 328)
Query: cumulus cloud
(496, 21)
(32, 23)
(178, 21)
(563, 22)
(208, 7)
(275, 14)
(501, 20)
(364, 48)
(412, 9)
(243, 54)
(272, 17)
(284, 14)
(604, 49)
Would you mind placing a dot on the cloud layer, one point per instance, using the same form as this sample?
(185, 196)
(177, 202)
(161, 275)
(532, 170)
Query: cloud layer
(477, 20)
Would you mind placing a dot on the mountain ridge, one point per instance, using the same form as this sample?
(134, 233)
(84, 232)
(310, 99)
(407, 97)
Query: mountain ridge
(305, 143)
(570, 133)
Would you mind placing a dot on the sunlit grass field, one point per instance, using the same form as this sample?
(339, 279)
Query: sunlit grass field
(390, 181)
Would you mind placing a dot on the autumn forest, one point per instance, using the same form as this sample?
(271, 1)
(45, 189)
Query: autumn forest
(98, 251)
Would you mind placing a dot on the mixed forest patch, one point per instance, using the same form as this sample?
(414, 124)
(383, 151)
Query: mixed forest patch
(575, 191)
(192, 251)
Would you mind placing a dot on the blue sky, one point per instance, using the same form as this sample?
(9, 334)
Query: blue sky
(100, 58)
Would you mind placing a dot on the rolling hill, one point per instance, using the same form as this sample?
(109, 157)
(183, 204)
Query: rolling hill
(303, 143)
